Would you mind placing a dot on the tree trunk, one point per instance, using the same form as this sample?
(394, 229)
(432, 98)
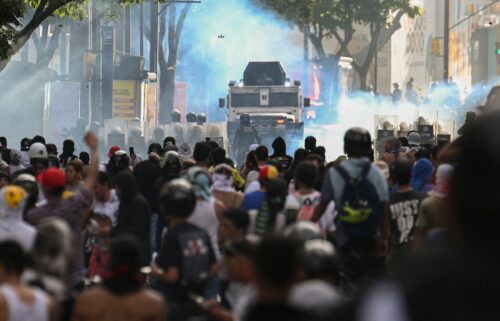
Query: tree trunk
(168, 66)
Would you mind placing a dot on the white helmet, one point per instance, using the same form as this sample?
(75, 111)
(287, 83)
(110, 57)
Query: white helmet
(38, 150)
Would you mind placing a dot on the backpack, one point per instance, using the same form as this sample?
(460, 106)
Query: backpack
(307, 206)
(359, 210)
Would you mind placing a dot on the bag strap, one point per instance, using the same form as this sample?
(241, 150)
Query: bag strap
(343, 173)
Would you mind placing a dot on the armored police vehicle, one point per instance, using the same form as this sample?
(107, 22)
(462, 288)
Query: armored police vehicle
(275, 104)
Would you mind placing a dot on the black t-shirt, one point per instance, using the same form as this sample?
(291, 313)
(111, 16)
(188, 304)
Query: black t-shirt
(187, 248)
(404, 209)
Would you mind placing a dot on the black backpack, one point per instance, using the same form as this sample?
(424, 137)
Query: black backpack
(360, 209)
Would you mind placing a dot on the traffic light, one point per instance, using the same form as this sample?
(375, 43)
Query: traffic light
(436, 47)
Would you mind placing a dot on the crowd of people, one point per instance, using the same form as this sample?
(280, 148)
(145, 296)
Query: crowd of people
(410, 234)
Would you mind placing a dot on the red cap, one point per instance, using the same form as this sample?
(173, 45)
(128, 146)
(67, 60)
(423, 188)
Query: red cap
(52, 178)
(113, 150)
(268, 172)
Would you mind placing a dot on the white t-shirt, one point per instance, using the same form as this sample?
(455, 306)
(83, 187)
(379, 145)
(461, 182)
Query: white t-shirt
(205, 218)
(15, 229)
(109, 208)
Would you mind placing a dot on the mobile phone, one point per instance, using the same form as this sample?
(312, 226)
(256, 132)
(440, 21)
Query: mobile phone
(131, 151)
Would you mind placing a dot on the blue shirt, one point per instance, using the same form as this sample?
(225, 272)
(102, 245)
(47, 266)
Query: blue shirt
(253, 200)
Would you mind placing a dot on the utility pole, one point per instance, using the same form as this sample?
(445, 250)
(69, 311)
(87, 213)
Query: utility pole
(446, 40)
(127, 30)
(305, 84)
(141, 30)
(153, 53)
(95, 35)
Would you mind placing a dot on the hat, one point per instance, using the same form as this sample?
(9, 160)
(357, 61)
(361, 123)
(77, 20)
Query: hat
(113, 150)
(12, 200)
(52, 178)
(200, 180)
(268, 172)
(38, 150)
(253, 147)
(414, 139)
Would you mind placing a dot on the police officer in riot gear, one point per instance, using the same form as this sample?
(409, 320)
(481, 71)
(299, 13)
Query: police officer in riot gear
(245, 136)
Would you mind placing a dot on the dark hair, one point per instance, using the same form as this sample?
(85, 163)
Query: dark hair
(12, 257)
(251, 161)
(3, 141)
(51, 149)
(124, 266)
(218, 156)
(423, 153)
(403, 141)
(201, 152)
(276, 194)
(103, 178)
(321, 151)
(155, 146)
(169, 139)
(229, 161)
(38, 139)
(77, 165)
(56, 191)
(299, 156)
(85, 158)
(68, 147)
(275, 261)
(401, 170)
(310, 143)
(315, 158)
(262, 153)
(239, 218)
(306, 174)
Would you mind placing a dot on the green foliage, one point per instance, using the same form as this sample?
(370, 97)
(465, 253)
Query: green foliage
(334, 15)
(11, 12)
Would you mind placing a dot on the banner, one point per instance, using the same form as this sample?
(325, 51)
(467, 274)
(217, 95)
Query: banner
(124, 98)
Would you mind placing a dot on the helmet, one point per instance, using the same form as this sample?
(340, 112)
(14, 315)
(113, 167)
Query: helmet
(245, 119)
(29, 184)
(38, 150)
(303, 231)
(191, 117)
(357, 142)
(414, 139)
(158, 133)
(135, 132)
(318, 259)
(175, 117)
(201, 118)
(177, 198)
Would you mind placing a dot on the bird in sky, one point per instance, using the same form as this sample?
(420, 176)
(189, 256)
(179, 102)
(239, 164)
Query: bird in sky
(221, 36)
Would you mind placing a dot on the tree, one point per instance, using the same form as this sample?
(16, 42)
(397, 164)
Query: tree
(338, 20)
(14, 34)
(171, 25)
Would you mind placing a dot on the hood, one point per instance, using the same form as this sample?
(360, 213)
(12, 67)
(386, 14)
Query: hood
(421, 174)
(12, 201)
(279, 146)
(127, 186)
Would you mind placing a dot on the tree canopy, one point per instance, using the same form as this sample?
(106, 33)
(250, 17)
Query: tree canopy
(338, 19)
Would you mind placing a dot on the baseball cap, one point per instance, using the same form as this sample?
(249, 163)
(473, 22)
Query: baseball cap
(52, 178)
(113, 150)
(268, 172)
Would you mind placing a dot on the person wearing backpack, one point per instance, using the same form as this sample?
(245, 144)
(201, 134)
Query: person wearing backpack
(308, 198)
(360, 192)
